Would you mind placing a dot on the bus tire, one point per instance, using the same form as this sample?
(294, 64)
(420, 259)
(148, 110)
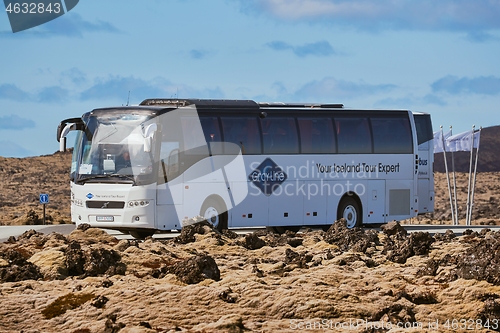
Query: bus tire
(350, 210)
(141, 234)
(215, 213)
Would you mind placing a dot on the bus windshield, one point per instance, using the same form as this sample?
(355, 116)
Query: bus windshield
(113, 149)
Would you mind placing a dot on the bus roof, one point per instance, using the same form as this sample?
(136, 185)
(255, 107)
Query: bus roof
(229, 103)
(161, 105)
(202, 103)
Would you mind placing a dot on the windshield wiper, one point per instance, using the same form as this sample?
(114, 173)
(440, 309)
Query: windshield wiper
(93, 177)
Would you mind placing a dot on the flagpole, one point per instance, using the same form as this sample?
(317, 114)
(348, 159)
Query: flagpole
(447, 175)
(467, 217)
(475, 171)
(454, 182)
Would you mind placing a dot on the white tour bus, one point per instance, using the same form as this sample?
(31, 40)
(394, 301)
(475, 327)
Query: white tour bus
(239, 164)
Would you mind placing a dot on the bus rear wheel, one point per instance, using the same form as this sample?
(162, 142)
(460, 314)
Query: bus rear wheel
(349, 210)
(214, 213)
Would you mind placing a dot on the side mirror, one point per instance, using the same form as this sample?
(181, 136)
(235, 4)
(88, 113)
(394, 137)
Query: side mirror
(148, 137)
(62, 139)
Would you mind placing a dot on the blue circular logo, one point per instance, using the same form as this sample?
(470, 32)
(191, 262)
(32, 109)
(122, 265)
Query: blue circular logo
(90, 196)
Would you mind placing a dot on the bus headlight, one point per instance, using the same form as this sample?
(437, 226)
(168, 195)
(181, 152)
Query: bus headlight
(138, 203)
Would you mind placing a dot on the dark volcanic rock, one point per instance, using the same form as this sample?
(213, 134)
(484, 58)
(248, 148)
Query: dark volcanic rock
(230, 234)
(418, 297)
(491, 310)
(99, 302)
(348, 260)
(399, 249)
(196, 269)
(92, 261)
(430, 268)
(393, 228)
(447, 237)
(355, 239)
(75, 260)
(395, 313)
(19, 269)
(84, 227)
(301, 260)
(481, 261)
(274, 239)
(102, 261)
(111, 326)
(252, 242)
(188, 232)
(29, 233)
(33, 236)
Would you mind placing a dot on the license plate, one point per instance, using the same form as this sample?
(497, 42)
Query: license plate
(105, 218)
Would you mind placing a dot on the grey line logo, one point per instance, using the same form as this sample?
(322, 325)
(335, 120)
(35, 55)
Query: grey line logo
(26, 14)
(268, 176)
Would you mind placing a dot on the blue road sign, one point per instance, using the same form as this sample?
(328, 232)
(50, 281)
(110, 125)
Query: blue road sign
(44, 199)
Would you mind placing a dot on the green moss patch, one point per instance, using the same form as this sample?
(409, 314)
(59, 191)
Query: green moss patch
(65, 303)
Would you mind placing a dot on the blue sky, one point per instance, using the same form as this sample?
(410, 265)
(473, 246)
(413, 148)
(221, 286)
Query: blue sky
(440, 57)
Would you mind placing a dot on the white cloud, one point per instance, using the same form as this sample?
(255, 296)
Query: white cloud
(117, 88)
(321, 48)
(450, 15)
(14, 122)
(483, 85)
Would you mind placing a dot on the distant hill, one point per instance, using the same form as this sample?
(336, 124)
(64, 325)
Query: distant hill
(489, 157)
(22, 180)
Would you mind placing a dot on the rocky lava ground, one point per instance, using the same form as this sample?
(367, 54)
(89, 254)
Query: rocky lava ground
(354, 280)
(336, 281)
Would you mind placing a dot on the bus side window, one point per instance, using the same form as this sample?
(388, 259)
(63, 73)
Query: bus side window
(316, 135)
(169, 161)
(173, 163)
(280, 136)
(171, 141)
(353, 135)
(423, 125)
(391, 135)
(243, 132)
(211, 130)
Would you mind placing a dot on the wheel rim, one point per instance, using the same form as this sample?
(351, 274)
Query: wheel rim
(212, 216)
(350, 215)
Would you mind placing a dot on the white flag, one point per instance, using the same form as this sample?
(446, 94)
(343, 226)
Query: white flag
(438, 140)
(462, 141)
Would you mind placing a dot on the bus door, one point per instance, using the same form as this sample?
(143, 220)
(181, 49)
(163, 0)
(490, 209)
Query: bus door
(169, 193)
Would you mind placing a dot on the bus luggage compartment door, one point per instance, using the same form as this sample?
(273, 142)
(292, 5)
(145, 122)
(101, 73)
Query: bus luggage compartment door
(375, 210)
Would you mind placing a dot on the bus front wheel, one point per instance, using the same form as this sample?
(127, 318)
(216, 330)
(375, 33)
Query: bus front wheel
(215, 214)
(141, 234)
(350, 211)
